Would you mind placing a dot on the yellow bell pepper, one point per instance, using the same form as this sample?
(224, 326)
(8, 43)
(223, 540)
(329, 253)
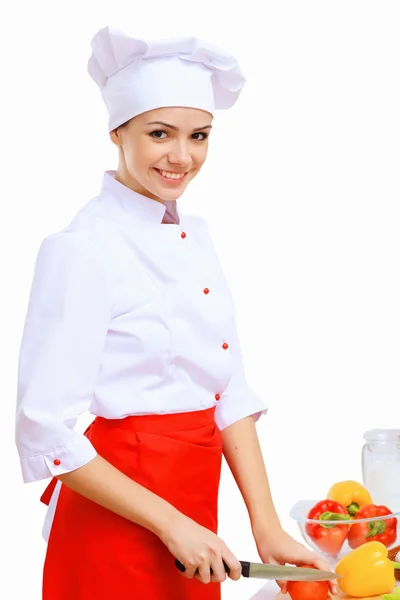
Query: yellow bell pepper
(366, 571)
(350, 494)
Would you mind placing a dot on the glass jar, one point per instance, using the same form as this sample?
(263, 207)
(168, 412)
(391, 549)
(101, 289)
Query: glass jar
(381, 466)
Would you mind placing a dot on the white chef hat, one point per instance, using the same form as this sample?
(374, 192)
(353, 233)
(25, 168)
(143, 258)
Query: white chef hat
(135, 75)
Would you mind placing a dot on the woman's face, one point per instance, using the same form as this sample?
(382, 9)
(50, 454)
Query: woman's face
(162, 150)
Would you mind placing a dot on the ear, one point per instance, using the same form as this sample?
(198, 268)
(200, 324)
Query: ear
(115, 137)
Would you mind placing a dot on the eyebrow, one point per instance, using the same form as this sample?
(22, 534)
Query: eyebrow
(176, 128)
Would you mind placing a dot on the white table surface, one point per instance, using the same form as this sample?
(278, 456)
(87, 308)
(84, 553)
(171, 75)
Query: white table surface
(251, 589)
(270, 591)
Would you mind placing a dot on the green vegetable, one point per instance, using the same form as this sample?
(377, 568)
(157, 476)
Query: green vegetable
(395, 595)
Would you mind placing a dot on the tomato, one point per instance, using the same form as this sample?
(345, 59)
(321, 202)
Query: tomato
(308, 590)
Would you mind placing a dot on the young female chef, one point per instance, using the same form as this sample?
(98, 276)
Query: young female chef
(130, 317)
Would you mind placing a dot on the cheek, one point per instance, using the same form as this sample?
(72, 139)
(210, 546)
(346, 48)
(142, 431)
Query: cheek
(143, 157)
(152, 154)
(199, 155)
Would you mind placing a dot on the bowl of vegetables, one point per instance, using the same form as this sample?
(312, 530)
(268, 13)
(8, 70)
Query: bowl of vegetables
(344, 520)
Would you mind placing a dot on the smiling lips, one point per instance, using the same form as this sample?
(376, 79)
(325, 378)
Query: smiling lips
(171, 177)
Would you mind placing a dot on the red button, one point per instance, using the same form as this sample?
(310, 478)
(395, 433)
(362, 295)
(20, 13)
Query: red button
(206, 290)
(57, 462)
(183, 235)
(217, 397)
(225, 346)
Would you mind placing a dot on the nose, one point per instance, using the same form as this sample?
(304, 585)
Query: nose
(180, 154)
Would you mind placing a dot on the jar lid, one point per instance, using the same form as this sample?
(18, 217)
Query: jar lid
(382, 435)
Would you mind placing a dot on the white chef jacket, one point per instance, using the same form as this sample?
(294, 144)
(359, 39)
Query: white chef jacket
(129, 314)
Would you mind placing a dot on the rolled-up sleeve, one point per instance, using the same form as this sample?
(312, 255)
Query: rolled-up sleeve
(238, 401)
(68, 316)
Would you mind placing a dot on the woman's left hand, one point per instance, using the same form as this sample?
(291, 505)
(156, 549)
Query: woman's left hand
(280, 548)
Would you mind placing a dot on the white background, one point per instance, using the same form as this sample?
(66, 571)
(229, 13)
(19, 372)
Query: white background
(301, 191)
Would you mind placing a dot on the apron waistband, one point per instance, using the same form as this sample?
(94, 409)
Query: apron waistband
(161, 423)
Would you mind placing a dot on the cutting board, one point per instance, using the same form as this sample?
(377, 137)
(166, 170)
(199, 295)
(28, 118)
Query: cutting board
(271, 592)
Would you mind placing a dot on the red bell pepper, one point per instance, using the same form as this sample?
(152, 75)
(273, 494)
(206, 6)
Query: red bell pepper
(381, 530)
(328, 537)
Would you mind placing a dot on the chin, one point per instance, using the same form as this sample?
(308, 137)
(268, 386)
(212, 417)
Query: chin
(170, 195)
(167, 192)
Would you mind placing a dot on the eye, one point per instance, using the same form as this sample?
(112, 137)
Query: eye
(159, 134)
(200, 133)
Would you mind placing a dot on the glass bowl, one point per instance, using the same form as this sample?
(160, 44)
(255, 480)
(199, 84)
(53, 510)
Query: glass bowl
(299, 513)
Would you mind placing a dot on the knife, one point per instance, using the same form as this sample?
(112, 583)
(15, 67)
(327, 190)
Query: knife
(282, 572)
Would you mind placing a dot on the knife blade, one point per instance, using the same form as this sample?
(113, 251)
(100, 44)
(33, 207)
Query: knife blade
(274, 572)
(285, 572)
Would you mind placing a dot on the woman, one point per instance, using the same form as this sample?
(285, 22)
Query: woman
(130, 318)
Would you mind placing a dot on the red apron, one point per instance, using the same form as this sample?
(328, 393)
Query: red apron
(94, 554)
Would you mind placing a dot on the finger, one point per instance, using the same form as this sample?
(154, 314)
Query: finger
(218, 570)
(282, 584)
(203, 572)
(189, 571)
(235, 568)
(322, 564)
(186, 569)
(333, 587)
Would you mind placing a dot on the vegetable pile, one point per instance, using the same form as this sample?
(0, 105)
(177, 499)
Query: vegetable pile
(366, 570)
(346, 501)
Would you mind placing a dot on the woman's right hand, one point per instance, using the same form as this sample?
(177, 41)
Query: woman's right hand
(199, 550)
